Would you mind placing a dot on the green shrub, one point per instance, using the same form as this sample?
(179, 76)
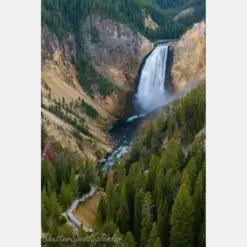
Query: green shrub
(91, 80)
(62, 220)
(95, 35)
(89, 110)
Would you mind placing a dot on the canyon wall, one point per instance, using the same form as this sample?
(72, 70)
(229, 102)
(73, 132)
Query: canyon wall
(186, 60)
(113, 52)
(118, 51)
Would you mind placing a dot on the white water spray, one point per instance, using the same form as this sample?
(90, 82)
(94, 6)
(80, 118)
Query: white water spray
(150, 94)
(151, 89)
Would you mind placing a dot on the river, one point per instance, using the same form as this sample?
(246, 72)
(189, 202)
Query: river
(150, 95)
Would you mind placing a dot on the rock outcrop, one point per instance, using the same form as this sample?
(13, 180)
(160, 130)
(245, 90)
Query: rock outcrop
(60, 84)
(149, 23)
(184, 13)
(186, 60)
(116, 51)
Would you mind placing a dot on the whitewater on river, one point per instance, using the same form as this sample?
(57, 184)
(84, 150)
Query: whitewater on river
(150, 95)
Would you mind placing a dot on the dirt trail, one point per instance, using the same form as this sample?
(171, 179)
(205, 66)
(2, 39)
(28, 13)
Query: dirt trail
(71, 218)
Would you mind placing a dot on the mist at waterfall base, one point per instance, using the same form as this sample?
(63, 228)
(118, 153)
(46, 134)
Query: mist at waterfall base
(150, 95)
(151, 89)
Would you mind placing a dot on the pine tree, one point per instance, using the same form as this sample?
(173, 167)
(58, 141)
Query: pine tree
(54, 227)
(139, 197)
(153, 236)
(159, 187)
(81, 232)
(49, 189)
(109, 201)
(172, 179)
(129, 239)
(101, 213)
(201, 241)
(55, 207)
(163, 223)
(69, 195)
(170, 125)
(63, 196)
(120, 172)
(185, 179)
(140, 181)
(192, 171)
(157, 243)
(82, 185)
(124, 212)
(66, 195)
(43, 133)
(109, 228)
(198, 153)
(74, 184)
(119, 238)
(152, 172)
(44, 218)
(116, 202)
(173, 157)
(147, 219)
(198, 203)
(66, 231)
(51, 174)
(175, 183)
(44, 199)
(131, 188)
(182, 219)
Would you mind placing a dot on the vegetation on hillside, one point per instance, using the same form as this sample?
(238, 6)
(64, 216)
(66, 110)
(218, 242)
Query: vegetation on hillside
(90, 80)
(66, 113)
(62, 180)
(63, 16)
(156, 196)
(89, 110)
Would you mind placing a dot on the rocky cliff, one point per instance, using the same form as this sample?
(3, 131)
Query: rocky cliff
(115, 50)
(111, 53)
(60, 84)
(186, 60)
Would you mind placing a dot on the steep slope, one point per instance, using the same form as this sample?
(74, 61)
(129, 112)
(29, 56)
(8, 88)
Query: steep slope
(184, 13)
(85, 83)
(59, 73)
(187, 63)
(149, 23)
(162, 177)
(91, 53)
(117, 52)
(60, 89)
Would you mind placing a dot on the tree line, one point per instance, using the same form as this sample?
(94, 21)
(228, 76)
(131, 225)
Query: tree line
(63, 180)
(156, 196)
(65, 16)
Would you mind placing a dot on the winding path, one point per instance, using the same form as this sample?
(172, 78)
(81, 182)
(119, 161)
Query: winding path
(69, 214)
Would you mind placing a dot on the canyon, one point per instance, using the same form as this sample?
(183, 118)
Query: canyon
(113, 53)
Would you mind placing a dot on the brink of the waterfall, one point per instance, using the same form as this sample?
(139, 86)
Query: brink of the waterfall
(151, 89)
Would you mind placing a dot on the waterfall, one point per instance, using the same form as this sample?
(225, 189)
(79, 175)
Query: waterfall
(150, 95)
(151, 89)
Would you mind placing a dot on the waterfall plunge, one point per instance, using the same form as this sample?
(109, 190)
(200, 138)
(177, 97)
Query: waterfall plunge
(151, 89)
(150, 95)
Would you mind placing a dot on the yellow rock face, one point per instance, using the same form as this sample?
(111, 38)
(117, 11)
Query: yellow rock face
(189, 58)
(59, 76)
